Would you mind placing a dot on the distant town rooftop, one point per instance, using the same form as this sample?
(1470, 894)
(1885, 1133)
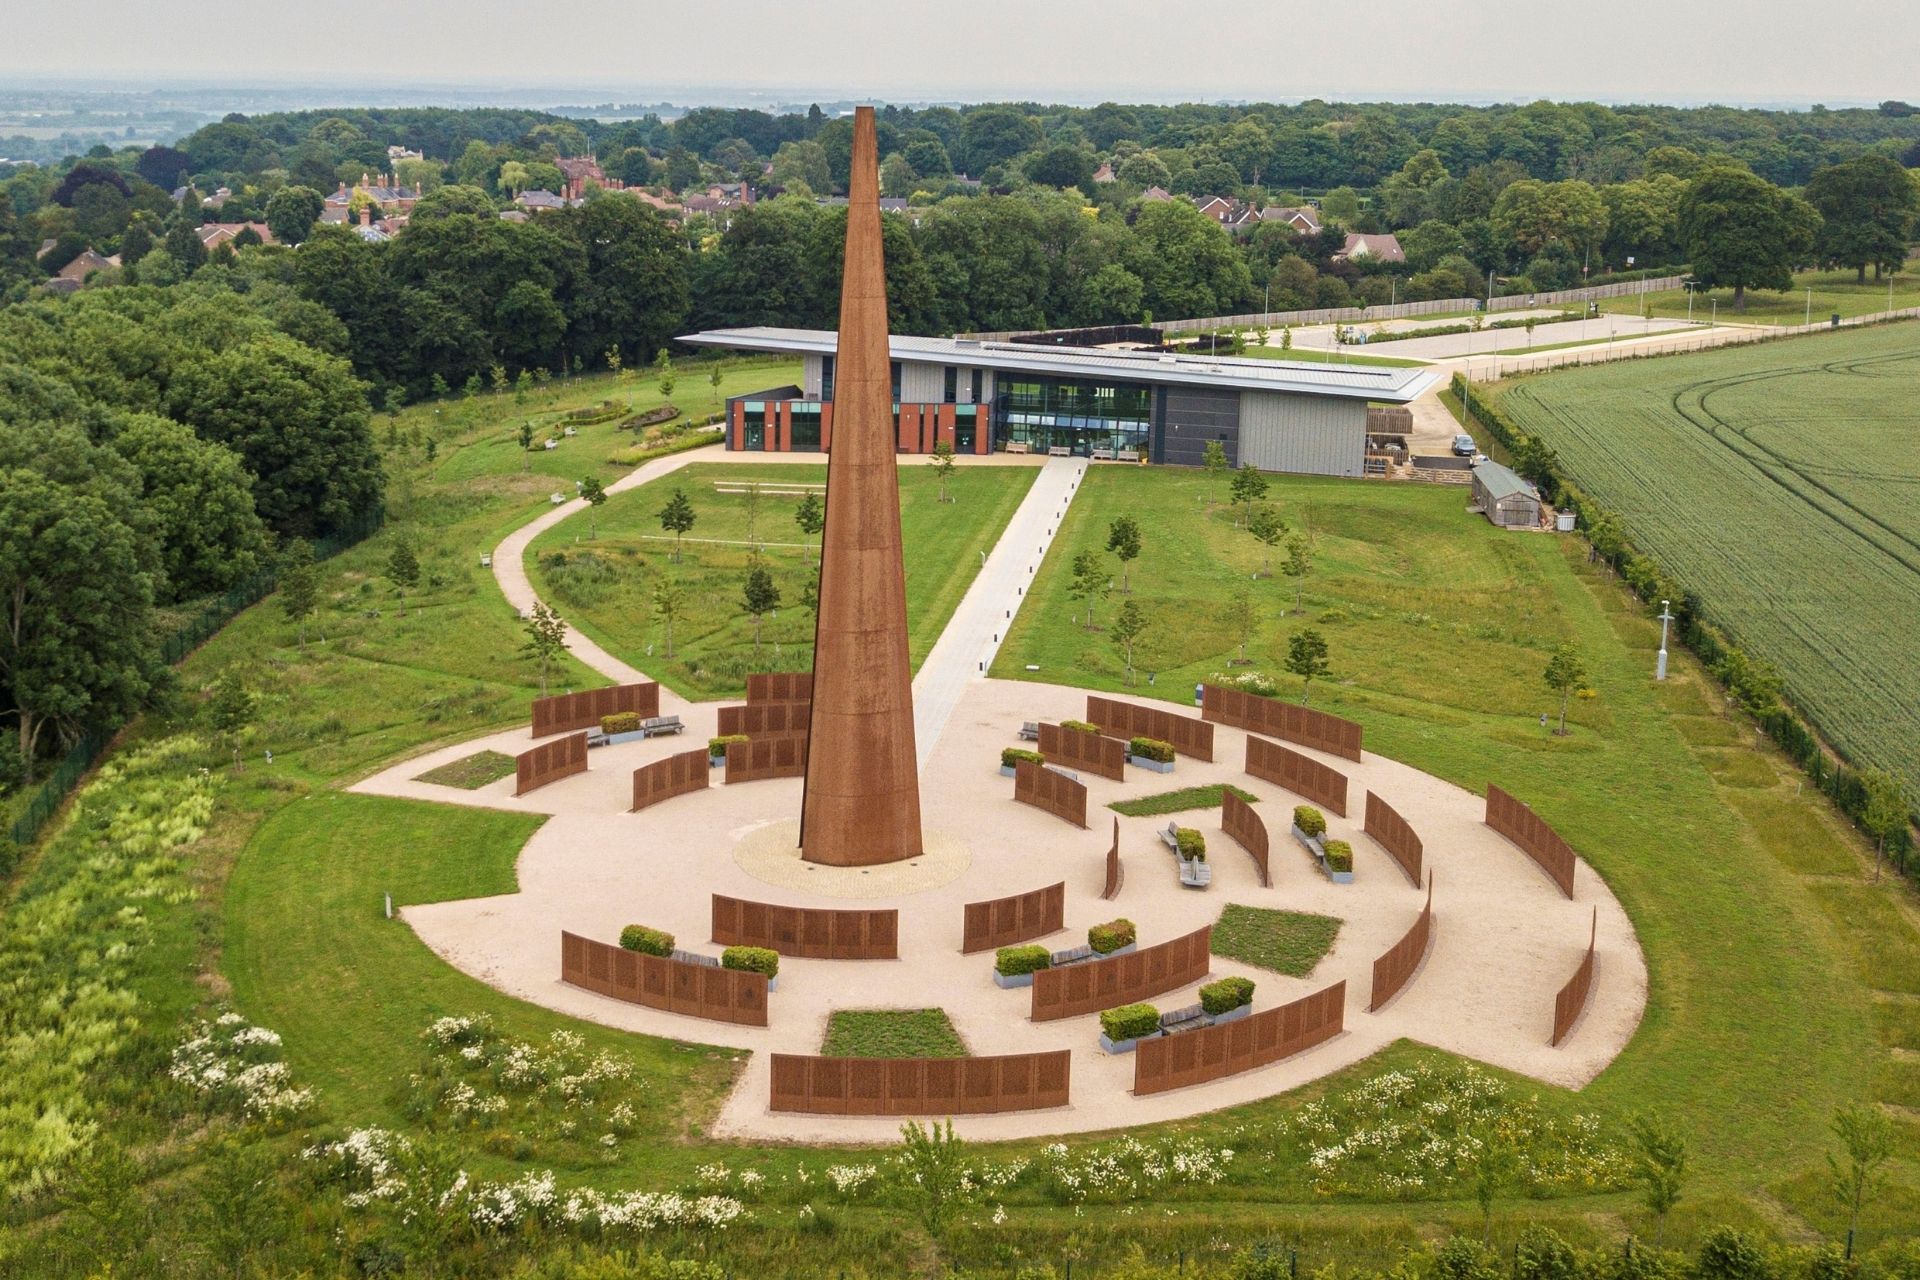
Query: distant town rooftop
(1357, 382)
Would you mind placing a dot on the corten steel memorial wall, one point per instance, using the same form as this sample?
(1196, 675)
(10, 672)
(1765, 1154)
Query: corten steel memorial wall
(1399, 961)
(1041, 787)
(1195, 1057)
(1302, 775)
(1189, 737)
(1534, 837)
(810, 933)
(919, 1086)
(677, 775)
(1572, 999)
(765, 719)
(583, 710)
(1078, 749)
(1021, 917)
(1116, 874)
(780, 686)
(1239, 820)
(1279, 719)
(549, 762)
(697, 990)
(783, 757)
(1093, 985)
(1392, 833)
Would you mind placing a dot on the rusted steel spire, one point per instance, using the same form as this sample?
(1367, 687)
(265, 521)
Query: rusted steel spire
(862, 804)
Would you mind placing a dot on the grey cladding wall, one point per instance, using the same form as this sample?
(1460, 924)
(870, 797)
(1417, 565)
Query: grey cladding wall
(1316, 435)
(1191, 416)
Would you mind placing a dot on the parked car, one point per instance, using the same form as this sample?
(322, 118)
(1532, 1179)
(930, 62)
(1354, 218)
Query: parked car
(1463, 446)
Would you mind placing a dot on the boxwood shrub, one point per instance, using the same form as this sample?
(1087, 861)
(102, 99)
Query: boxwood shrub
(1009, 755)
(1079, 726)
(1110, 937)
(1339, 855)
(1192, 844)
(620, 722)
(751, 959)
(1226, 993)
(718, 746)
(1309, 820)
(1130, 1021)
(1151, 749)
(1012, 962)
(648, 942)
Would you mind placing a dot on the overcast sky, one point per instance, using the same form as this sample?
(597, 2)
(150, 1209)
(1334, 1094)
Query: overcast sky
(1047, 50)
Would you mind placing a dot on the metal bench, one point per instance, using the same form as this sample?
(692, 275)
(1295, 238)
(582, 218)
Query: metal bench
(692, 957)
(1192, 1018)
(1072, 955)
(660, 726)
(1030, 731)
(1170, 837)
(1197, 874)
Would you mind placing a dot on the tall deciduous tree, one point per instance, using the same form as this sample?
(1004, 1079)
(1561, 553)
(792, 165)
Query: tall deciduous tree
(292, 213)
(76, 643)
(201, 498)
(1740, 231)
(1867, 207)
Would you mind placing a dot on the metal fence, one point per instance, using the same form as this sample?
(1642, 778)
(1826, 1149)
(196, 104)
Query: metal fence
(762, 719)
(1400, 961)
(564, 712)
(677, 775)
(1019, 917)
(812, 933)
(549, 762)
(1238, 820)
(1188, 736)
(1195, 1057)
(1392, 833)
(1279, 719)
(1044, 788)
(919, 1086)
(660, 982)
(783, 757)
(1079, 749)
(1093, 985)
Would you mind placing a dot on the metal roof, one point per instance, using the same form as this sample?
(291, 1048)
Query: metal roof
(1501, 482)
(1394, 385)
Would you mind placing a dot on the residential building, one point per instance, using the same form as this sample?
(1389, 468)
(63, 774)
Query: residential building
(75, 273)
(386, 193)
(1303, 218)
(982, 396)
(215, 234)
(1381, 248)
(1156, 194)
(1104, 173)
(541, 201)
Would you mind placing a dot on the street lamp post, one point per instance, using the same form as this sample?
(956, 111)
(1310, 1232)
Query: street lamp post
(1809, 306)
(1660, 663)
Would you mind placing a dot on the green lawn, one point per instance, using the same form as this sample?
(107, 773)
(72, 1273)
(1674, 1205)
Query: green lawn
(471, 772)
(1832, 291)
(1289, 942)
(1298, 355)
(892, 1033)
(599, 568)
(1206, 797)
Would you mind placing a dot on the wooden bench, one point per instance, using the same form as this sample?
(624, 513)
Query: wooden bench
(1059, 451)
(1030, 731)
(1126, 455)
(1191, 1018)
(1017, 446)
(661, 726)
(1072, 955)
(1102, 453)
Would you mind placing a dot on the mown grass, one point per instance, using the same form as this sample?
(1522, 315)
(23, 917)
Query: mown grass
(1832, 291)
(1289, 942)
(1207, 797)
(599, 568)
(892, 1033)
(470, 773)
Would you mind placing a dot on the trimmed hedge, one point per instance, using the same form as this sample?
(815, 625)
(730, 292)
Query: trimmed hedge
(1110, 937)
(620, 722)
(1309, 820)
(1226, 994)
(1192, 845)
(651, 418)
(1151, 749)
(648, 942)
(1009, 756)
(1130, 1021)
(1079, 726)
(752, 960)
(1013, 962)
(718, 746)
(1339, 855)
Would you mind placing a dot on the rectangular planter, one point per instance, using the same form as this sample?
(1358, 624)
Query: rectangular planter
(1310, 843)
(1158, 766)
(1340, 877)
(1234, 1014)
(1017, 980)
(1126, 1046)
(1131, 946)
(1006, 771)
(715, 762)
(632, 735)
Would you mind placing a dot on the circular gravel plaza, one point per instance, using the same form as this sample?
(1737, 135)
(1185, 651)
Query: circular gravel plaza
(1504, 940)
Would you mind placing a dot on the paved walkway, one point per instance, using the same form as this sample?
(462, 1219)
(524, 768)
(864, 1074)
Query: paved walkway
(973, 635)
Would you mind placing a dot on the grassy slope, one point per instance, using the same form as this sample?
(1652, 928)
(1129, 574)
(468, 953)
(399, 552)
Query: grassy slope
(1440, 627)
(714, 645)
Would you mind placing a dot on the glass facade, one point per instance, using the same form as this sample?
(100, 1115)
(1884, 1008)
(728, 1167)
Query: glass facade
(806, 426)
(1046, 413)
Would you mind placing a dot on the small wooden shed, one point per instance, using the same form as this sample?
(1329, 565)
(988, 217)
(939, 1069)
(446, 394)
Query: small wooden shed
(1504, 498)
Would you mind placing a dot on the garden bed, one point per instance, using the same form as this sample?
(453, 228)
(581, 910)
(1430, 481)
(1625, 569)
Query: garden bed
(892, 1033)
